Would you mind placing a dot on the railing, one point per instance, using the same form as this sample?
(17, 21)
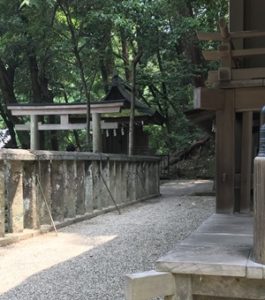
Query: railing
(37, 187)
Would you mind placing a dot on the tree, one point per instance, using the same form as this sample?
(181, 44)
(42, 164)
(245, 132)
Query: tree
(62, 50)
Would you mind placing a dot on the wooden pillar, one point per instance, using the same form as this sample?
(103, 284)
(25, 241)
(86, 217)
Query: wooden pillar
(259, 196)
(237, 20)
(97, 138)
(259, 210)
(225, 155)
(238, 145)
(34, 134)
(246, 162)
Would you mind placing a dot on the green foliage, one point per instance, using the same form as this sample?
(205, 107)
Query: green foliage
(106, 35)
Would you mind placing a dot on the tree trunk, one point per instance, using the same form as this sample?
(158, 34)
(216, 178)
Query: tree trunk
(125, 56)
(74, 39)
(132, 112)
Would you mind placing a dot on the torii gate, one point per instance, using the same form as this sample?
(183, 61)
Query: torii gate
(64, 111)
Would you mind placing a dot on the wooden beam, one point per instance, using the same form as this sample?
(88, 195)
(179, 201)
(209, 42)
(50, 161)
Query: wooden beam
(249, 99)
(228, 287)
(239, 74)
(29, 110)
(211, 55)
(69, 126)
(247, 34)
(246, 162)
(208, 99)
(216, 36)
(246, 99)
(225, 155)
(217, 55)
(248, 52)
(245, 74)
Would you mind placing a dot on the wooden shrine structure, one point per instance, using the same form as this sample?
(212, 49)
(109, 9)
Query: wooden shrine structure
(109, 116)
(236, 93)
(225, 257)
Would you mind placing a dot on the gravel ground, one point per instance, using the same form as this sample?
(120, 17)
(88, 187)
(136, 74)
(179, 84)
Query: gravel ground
(88, 260)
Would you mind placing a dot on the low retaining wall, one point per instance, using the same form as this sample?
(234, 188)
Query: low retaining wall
(73, 185)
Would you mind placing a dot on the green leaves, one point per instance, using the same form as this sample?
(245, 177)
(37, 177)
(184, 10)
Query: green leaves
(108, 34)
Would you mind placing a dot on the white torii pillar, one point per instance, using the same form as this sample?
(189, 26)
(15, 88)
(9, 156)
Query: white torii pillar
(96, 132)
(34, 133)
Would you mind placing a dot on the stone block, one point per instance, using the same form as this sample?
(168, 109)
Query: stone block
(57, 180)
(88, 182)
(14, 188)
(147, 285)
(44, 191)
(70, 189)
(30, 196)
(116, 181)
(131, 182)
(106, 200)
(97, 186)
(80, 184)
(113, 179)
(139, 186)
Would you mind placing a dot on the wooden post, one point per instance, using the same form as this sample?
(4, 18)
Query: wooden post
(237, 20)
(225, 155)
(259, 210)
(259, 203)
(225, 72)
(97, 138)
(238, 161)
(246, 162)
(34, 136)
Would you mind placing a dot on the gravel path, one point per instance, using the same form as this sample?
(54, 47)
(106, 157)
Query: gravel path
(88, 260)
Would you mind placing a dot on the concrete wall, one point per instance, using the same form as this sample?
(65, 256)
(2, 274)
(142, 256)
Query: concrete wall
(74, 185)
